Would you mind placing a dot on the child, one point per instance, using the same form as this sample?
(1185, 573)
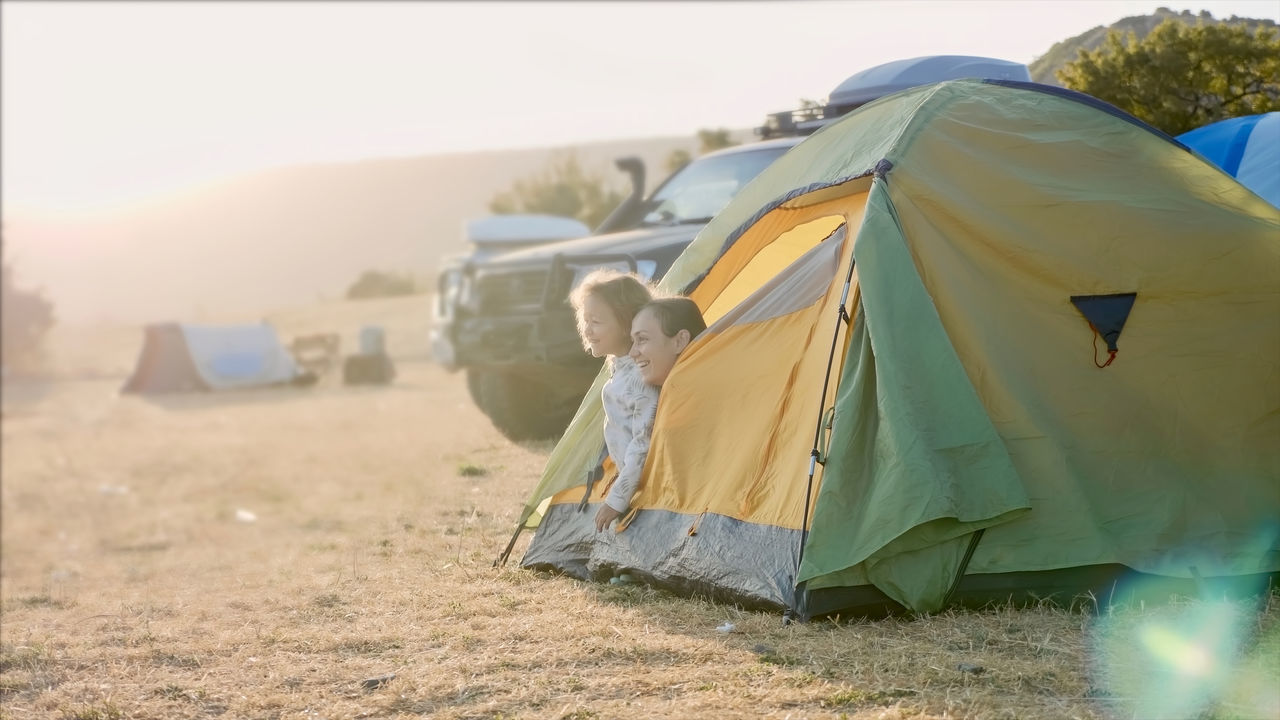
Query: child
(660, 332)
(605, 304)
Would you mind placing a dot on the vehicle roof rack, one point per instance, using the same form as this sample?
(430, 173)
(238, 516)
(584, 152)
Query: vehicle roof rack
(803, 121)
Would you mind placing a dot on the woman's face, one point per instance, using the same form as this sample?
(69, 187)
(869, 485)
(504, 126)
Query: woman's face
(604, 334)
(655, 353)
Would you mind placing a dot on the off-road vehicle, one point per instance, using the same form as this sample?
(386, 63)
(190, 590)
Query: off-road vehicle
(504, 317)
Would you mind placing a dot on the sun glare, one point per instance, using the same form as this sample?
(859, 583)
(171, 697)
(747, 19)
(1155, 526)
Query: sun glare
(1185, 658)
(1181, 654)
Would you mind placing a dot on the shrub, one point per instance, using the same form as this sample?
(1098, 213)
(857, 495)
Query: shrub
(27, 317)
(375, 283)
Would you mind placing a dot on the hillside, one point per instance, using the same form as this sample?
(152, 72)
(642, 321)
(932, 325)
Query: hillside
(1044, 68)
(281, 237)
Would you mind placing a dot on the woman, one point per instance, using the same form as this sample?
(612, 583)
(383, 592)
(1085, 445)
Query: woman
(661, 330)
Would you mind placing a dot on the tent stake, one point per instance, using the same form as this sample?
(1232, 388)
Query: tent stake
(502, 559)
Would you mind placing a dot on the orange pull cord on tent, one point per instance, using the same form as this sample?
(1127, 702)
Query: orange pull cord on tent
(1111, 354)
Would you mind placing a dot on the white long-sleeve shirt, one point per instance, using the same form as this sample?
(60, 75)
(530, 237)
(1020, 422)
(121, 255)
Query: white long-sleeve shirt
(629, 408)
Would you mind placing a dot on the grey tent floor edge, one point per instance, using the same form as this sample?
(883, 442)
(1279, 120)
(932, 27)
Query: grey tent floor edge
(707, 555)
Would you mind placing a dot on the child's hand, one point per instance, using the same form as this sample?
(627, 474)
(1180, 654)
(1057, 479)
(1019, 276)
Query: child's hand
(606, 516)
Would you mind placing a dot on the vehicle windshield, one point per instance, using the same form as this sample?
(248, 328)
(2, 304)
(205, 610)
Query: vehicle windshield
(703, 187)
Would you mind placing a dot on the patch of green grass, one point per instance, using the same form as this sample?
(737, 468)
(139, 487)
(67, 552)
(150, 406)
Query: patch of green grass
(855, 697)
(43, 600)
(469, 470)
(777, 658)
(159, 657)
(177, 692)
(366, 646)
(630, 594)
(34, 658)
(800, 680)
(573, 684)
(12, 686)
(105, 711)
(403, 705)
(327, 600)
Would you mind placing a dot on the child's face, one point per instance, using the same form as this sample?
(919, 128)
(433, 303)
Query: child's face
(654, 352)
(601, 329)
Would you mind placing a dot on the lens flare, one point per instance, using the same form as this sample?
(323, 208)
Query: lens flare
(1187, 657)
(1175, 652)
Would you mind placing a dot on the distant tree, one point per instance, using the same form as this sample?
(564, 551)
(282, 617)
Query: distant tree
(27, 316)
(677, 159)
(716, 139)
(708, 140)
(1180, 77)
(564, 189)
(810, 107)
(375, 283)
(1044, 69)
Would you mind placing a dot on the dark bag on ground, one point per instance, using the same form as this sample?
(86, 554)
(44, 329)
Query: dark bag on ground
(368, 370)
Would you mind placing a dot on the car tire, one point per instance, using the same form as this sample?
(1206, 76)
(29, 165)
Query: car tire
(522, 408)
(475, 381)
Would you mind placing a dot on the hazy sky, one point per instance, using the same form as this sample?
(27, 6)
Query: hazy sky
(106, 101)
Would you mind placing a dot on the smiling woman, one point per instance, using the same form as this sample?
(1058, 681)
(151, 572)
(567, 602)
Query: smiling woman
(660, 332)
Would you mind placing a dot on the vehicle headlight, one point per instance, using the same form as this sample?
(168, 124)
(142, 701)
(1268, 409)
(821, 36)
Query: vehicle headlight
(447, 291)
(450, 281)
(466, 295)
(452, 289)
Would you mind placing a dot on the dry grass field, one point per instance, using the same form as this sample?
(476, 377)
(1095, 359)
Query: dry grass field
(272, 554)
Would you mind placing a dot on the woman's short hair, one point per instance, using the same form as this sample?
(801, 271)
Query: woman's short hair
(624, 293)
(675, 314)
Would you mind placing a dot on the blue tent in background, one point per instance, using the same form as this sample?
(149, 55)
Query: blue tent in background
(188, 358)
(1246, 148)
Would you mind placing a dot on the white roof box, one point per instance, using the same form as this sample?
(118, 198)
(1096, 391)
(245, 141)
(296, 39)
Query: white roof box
(898, 75)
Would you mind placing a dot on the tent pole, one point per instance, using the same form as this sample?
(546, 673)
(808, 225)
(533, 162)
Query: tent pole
(964, 565)
(815, 455)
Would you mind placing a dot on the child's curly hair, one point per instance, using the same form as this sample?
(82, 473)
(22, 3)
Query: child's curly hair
(624, 293)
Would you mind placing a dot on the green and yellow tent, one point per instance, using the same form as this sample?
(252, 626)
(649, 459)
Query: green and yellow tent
(976, 340)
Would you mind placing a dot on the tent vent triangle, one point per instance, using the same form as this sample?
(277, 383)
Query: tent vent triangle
(1106, 313)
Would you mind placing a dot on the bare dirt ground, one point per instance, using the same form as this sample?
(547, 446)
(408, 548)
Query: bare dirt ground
(283, 553)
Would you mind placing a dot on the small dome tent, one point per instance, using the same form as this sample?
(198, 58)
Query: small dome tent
(190, 358)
